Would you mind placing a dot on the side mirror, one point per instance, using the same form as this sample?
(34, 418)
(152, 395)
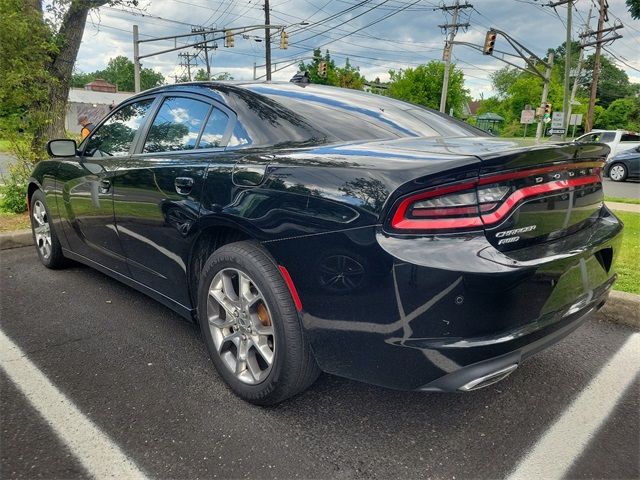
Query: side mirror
(62, 148)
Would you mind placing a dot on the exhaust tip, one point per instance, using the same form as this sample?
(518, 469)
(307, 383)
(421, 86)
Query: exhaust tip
(489, 379)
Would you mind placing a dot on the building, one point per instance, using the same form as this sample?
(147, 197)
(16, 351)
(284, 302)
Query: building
(94, 101)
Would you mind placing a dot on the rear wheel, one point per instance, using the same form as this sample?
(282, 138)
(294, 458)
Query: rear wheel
(251, 327)
(44, 237)
(618, 172)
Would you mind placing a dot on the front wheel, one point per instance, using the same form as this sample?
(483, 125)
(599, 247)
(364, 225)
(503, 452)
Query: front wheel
(618, 172)
(251, 327)
(44, 237)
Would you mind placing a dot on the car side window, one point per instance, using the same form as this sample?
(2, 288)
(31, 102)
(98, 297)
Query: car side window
(608, 137)
(214, 130)
(115, 136)
(630, 137)
(177, 125)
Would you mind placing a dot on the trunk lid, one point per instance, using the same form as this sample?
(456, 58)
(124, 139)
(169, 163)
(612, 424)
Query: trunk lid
(552, 191)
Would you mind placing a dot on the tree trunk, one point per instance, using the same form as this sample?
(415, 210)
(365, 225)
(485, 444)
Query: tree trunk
(61, 69)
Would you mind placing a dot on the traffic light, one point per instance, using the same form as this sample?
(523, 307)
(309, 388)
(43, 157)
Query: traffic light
(322, 69)
(284, 40)
(547, 108)
(228, 38)
(489, 42)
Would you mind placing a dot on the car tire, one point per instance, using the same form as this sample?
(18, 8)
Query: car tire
(251, 327)
(44, 236)
(618, 172)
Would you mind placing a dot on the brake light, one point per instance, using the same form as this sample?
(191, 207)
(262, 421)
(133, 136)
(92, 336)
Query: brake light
(487, 200)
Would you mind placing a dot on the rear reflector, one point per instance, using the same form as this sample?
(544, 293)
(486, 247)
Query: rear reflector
(488, 200)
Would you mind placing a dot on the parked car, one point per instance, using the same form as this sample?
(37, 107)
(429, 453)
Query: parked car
(311, 228)
(624, 165)
(617, 140)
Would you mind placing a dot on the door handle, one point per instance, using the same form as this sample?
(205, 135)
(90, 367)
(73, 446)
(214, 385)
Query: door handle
(183, 185)
(105, 185)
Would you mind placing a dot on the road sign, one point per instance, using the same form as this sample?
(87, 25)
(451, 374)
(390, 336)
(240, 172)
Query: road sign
(576, 119)
(557, 120)
(527, 116)
(556, 131)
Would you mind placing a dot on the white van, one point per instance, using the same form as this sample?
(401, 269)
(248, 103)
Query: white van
(618, 140)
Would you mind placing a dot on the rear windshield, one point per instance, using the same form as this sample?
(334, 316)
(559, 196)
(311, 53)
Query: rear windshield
(348, 115)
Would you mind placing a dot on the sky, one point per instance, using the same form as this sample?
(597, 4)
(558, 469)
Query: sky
(389, 34)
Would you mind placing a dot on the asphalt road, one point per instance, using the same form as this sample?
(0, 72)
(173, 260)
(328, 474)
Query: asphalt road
(141, 375)
(628, 189)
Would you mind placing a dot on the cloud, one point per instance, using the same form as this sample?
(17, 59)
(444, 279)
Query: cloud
(404, 39)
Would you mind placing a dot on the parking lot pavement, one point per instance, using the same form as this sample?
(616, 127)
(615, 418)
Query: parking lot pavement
(141, 376)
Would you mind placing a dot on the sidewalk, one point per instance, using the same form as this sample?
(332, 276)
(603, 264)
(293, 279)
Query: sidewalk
(624, 207)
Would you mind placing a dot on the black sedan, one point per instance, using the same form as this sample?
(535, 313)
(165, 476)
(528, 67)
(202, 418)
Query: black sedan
(309, 228)
(624, 165)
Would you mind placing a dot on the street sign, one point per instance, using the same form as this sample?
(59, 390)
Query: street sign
(557, 120)
(556, 131)
(527, 116)
(576, 119)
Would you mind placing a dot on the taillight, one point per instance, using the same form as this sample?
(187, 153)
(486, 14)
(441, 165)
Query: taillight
(489, 199)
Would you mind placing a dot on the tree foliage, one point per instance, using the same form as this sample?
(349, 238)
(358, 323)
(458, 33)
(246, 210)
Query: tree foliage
(634, 8)
(120, 72)
(423, 85)
(345, 77)
(516, 89)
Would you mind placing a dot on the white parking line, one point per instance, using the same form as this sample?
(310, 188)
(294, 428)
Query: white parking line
(567, 438)
(97, 453)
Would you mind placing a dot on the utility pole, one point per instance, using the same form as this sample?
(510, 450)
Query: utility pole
(204, 48)
(136, 60)
(452, 29)
(567, 68)
(267, 40)
(601, 39)
(545, 93)
(185, 61)
(578, 71)
(596, 66)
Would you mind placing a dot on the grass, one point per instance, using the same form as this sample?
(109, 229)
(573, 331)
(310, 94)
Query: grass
(5, 146)
(628, 261)
(14, 221)
(635, 201)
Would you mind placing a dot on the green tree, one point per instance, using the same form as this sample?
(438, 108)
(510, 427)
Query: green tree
(622, 113)
(423, 84)
(331, 78)
(120, 72)
(613, 83)
(634, 8)
(201, 75)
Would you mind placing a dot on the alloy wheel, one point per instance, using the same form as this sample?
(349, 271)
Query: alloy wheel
(41, 229)
(617, 172)
(241, 327)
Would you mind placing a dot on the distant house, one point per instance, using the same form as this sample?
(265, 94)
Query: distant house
(94, 101)
(470, 109)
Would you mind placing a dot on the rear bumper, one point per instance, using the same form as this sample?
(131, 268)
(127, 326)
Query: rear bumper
(436, 314)
(492, 370)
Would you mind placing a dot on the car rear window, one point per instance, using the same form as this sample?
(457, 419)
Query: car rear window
(349, 115)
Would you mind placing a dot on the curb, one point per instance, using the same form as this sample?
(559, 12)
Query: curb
(16, 239)
(622, 308)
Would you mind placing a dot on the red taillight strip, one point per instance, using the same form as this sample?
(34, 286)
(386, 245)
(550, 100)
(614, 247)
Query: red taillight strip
(291, 286)
(532, 191)
(400, 222)
(536, 171)
(443, 224)
(399, 216)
